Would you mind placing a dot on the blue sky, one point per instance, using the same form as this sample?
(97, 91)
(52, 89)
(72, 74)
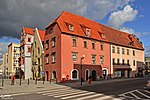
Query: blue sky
(126, 15)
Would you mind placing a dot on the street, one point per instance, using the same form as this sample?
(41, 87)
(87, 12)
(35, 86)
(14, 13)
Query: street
(112, 90)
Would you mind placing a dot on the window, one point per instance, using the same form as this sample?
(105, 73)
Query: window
(74, 56)
(93, 45)
(133, 62)
(38, 50)
(51, 31)
(29, 39)
(85, 44)
(103, 36)
(47, 58)
(35, 44)
(71, 27)
(47, 44)
(74, 42)
(127, 51)
(113, 60)
(102, 46)
(113, 49)
(133, 53)
(128, 62)
(118, 50)
(87, 32)
(53, 57)
(53, 41)
(101, 59)
(122, 50)
(93, 59)
(118, 61)
(29, 49)
(123, 61)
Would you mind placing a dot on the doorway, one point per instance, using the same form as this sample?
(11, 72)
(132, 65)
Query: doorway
(47, 75)
(54, 75)
(87, 74)
(93, 75)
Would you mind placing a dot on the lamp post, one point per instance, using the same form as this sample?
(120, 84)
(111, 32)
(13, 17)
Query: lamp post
(83, 56)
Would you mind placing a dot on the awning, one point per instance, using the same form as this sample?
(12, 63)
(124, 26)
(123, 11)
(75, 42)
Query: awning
(122, 67)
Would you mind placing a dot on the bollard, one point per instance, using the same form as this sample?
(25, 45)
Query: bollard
(28, 81)
(43, 80)
(36, 81)
(2, 81)
(20, 81)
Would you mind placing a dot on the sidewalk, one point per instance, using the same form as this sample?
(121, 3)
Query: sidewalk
(25, 88)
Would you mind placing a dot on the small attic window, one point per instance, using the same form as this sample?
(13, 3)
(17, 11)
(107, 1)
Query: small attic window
(103, 36)
(88, 32)
(71, 27)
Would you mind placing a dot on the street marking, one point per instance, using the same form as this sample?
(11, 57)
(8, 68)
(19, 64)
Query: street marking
(143, 94)
(52, 90)
(87, 97)
(135, 96)
(102, 98)
(125, 96)
(71, 93)
(77, 95)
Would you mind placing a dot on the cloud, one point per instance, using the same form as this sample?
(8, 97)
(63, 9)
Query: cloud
(118, 18)
(147, 51)
(39, 13)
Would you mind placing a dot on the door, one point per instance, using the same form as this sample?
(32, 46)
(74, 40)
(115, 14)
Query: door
(87, 74)
(93, 75)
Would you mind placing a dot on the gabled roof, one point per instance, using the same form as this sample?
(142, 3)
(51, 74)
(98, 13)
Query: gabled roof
(28, 30)
(41, 34)
(112, 35)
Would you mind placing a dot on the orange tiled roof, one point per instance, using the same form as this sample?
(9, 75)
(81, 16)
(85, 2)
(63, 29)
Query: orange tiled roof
(112, 36)
(42, 34)
(28, 30)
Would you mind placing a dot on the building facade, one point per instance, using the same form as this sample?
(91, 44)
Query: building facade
(76, 47)
(4, 65)
(147, 66)
(25, 62)
(37, 54)
(13, 56)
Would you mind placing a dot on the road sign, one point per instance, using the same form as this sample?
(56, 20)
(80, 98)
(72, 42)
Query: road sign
(42, 73)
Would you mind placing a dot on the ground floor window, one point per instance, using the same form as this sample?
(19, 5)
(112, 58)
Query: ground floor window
(74, 74)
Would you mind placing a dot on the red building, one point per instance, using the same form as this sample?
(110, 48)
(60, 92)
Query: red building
(73, 41)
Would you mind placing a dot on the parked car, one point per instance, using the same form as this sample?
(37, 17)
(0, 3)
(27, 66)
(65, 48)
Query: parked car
(148, 85)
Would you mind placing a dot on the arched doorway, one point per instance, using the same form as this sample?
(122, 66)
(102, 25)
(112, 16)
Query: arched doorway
(47, 75)
(87, 74)
(54, 75)
(93, 75)
(74, 74)
(105, 73)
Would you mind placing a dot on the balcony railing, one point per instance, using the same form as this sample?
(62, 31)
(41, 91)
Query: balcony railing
(121, 64)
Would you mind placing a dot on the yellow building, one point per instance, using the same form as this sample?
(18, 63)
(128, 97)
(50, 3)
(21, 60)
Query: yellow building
(4, 66)
(13, 55)
(37, 54)
(126, 61)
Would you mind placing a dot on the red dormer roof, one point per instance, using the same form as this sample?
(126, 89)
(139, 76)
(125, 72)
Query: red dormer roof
(112, 36)
(41, 34)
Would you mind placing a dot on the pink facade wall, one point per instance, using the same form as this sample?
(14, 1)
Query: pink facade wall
(66, 56)
(52, 66)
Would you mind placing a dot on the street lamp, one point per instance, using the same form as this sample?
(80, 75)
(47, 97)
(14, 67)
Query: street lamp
(83, 56)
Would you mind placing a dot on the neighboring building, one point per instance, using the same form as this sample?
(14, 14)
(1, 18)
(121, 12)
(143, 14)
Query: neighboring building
(147, 65)
(13, 55)
(37, 54)
(4, 65)
(25, 62)
(70, 36)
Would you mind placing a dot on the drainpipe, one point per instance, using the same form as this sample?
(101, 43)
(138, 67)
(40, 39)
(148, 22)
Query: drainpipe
(43, 63)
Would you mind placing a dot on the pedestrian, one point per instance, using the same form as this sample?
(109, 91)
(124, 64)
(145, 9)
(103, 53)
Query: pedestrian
(12, 80)
(90, 79)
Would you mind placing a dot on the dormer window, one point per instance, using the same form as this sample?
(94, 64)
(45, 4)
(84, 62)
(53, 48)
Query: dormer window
(103, 36)
(71, 27)
(88, 32)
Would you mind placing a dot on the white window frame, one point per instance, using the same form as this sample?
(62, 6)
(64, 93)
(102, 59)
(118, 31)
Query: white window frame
(77, 75)
(88, 32)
